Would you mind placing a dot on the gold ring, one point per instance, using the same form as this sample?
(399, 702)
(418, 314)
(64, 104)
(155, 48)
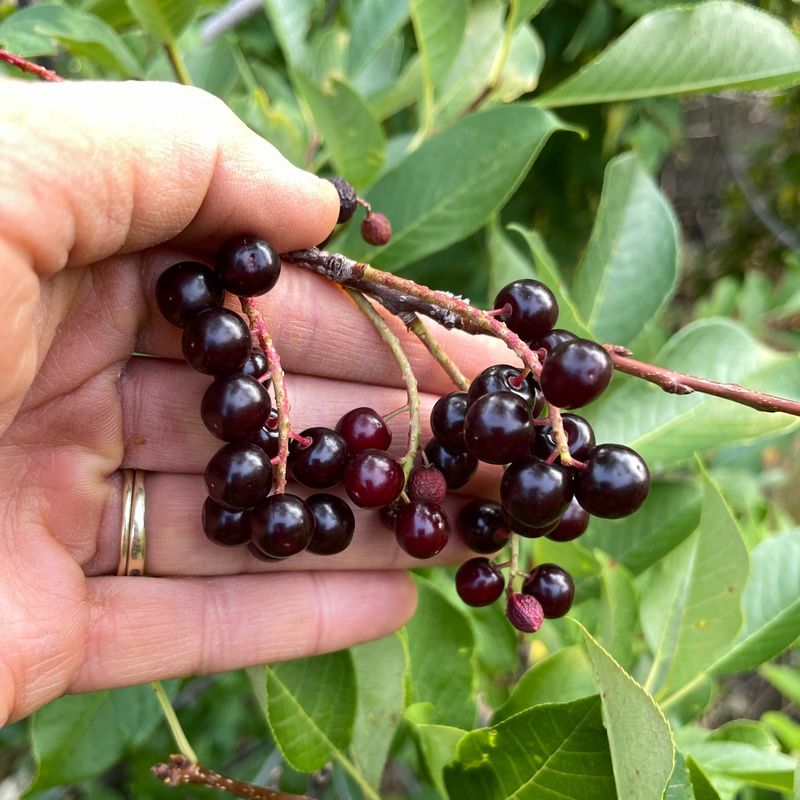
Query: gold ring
(132, 537)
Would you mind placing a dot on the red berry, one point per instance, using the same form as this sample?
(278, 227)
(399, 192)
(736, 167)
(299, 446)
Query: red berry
(479, 582)
(427, 485)
(364, 429)
(376, 229)
(553, 587)
(421, 529)
(575, 373)
(373, 479)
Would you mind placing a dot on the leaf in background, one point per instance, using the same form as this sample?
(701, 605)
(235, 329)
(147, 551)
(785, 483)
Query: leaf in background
(213, 67)
(551, 751)
(352, 136)
(496, 642)
(566, 675)
(639, 736)
(440, 671)
(380, 668)
(690, 610)
(771, 604)
(668, 429)
(401, 94)
(164, 19)
(680, 782)
(547, 270)
(311, 706)
(438, 743)
(453, 183)
(575, 558)
(524, 10)
(619, 610)
(439, 29)
(291, 20)
(670, 514)
(714, 45)
(630, 265)
(372, 24)
(784, 727)
(37, 31)
(80, 736)
(506, 263)
(785, 679)
(703, 789)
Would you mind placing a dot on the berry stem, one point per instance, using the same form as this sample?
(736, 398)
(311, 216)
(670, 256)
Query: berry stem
(680, 383)
(178, 64)
(369, 311)
(417, 327)
(175, 727)
(29, 66)
(259, 328)
(513, 564)
(562, 443)
(180, 771)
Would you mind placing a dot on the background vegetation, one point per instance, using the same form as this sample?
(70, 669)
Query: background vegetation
(643, 160)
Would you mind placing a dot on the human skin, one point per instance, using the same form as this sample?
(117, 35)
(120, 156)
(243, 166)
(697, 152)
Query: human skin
(103, 186)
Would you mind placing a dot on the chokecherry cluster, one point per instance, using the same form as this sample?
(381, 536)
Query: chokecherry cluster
(555, 475)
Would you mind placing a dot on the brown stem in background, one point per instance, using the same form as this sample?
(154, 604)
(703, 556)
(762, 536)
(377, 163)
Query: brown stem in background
(181, 771)
(29, 66)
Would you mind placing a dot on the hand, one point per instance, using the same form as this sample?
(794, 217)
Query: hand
(102, 186)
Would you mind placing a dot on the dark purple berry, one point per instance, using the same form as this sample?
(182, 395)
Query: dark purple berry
(281, 525)
(572, 525)
(238, 475)
(580, 438)
(447, 420)
(498, 428)
(457, 468)
(505, 378)
(348, 200)
(235, 407)
(216, 341)
(376, 229)
(256, 553)
(248, 266)
(364, 429)
(615, 483)
(388, 514)
(256, 365)
(575, 373)
(373, 479)
(266, 437)
(528, 531)
(552, 587)
(535, 493)
(534, 309)
(333, 524)
(553, 339)
(224, 526)
(480, 524)
(422, 529)
(320, 464)
(479, 582)
(184, 290)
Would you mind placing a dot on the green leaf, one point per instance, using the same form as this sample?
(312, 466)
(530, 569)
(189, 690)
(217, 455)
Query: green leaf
(164, 19)
(311, 706)
(703, 789)
(372, 24)
(670, 514)
(80, 736)
(523, 10)
(668, 429)
(548, 272)
(680, 782)
(563, 676)
(433, 199)
(785, 679)
(690, 610)
(771, 604)
(711, 46)
(506, 263)
(549, 752)
(38, 31)
(439, 29)
(639, 737)
(630, 265)
(291, 20)
(439, 651)
(438, 743)
(619, 611)
(380, 667)
(352, 136)
(784, 727)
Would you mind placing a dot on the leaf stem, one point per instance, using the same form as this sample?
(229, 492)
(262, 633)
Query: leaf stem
(175, 727)
(178, 64)
(417, 327)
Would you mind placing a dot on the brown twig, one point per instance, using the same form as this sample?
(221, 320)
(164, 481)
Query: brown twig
(180, 771)
(29, 66)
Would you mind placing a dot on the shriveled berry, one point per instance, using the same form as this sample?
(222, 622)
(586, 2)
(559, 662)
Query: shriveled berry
(505, 378)
(373, 479)
(376, 229)
(575, 373)
(447, 420)
(479, 582)
(256, 365)
(422, 529)
(457, 468)
(536, 493)
(321, 463)
(185, 289)
(615, 483)
(580, 438)
(248, 266)
(333, 524)
(281, 525)
(364, 429)
(534, 309)
(223, 525)
(572, 525)
(481, 525)
(347, 199)
(524, 612)
(235, 407)
(238, 475)
(427, 485)
(498, 428)
(216, 341)
(553, 587)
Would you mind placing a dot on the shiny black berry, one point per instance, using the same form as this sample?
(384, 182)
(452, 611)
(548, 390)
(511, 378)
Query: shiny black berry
(480, 524)
(235, 407)
(479, 582)
(281, 525)
(580, 438)
(498, 428)
(186, 289)
(535, 493)
(505, 378)
(333, 524)
(615, 483)
(256, 365)
(447, 420)
(266, 437)
(575, 373)
(552, 339)
(534, 309)
(457, 468)
(528, 531)
(216, 341)
(321, 463)
(572, 525)
(248, 266)
(553, 587)
(238, 475)
(223, 525)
